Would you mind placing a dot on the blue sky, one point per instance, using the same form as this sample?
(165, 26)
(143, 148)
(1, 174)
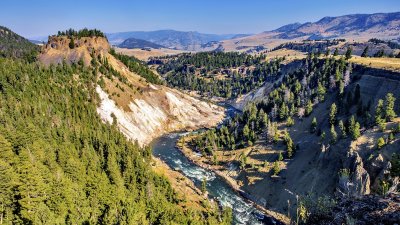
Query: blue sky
(43, 17)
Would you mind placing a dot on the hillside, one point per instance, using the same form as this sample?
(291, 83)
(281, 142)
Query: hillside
(181, 40)
(141, 109)
(326, 129)
(358, 27)
(138, 43)
(217, 74)
(61, 164)
(13, 45)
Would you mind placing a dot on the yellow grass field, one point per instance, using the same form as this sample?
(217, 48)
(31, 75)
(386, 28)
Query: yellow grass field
(290, 55)
(380, 63)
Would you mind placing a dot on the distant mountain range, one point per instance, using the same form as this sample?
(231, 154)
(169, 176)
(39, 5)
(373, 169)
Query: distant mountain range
(138, 43)
(333, 27)
(183, 40)
(358, 27)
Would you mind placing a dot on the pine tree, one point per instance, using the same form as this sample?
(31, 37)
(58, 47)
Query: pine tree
(333, 134)
(276, 168)
(8, 182)
(271, 131)
(314, 125)
(365, 52)
(379, 112)
(289, 146)
(348, 53)
(336, 52)
(380, 142)
(71, 43)
(243, 161)
(246, 132)
(389, 112)
(356, 132)
(309, 108)
(289, 121)
(283, 112)
(380, 122)
(332, 114)
(6, 152)
(280, 156)
(352, 125)
(323, 136)
(321, 92)
(342, 129)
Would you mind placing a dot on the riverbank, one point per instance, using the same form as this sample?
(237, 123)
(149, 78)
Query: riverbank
(184, 187)
(182, 145)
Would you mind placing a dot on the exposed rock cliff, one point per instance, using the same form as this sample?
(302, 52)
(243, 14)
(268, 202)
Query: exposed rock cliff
(58, 50)
(357, 181)
(168, 111)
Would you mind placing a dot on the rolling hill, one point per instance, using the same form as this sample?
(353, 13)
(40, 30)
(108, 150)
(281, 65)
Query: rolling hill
(357, 27)
(131, 43)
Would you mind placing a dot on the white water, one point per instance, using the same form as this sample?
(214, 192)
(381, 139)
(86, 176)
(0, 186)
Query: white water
(243, 212)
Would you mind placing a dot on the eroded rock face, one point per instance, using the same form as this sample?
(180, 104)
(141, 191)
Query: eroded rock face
(357, 182)
(376, 165)
(57, 49)
(167, 110)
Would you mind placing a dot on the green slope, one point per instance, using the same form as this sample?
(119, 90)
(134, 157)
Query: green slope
(13, 45)
(59, 164)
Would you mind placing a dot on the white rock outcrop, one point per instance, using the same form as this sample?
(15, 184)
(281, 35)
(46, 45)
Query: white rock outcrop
(166, 111)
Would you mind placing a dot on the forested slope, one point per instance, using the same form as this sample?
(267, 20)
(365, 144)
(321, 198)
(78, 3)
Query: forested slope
(221, 74)
(13, 45)
(60, 164)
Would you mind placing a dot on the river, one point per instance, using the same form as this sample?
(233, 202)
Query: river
(165, 149)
